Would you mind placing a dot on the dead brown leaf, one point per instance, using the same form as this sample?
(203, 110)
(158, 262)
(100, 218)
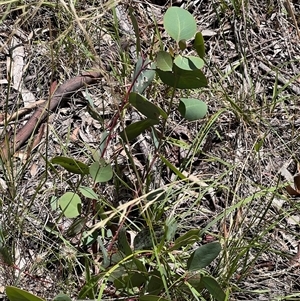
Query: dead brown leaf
(74, 135)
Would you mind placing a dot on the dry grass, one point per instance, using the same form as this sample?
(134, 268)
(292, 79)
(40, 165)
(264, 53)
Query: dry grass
(250, 133)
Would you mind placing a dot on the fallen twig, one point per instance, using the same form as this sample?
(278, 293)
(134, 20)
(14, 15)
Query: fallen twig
(280, 78)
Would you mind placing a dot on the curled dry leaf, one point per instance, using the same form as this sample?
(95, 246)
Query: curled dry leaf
(294, 191)
(74, 135)
(295, 260)
(17, 69)
(293, 188)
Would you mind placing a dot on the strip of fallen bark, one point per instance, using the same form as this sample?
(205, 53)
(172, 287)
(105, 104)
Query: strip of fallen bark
(64, 91)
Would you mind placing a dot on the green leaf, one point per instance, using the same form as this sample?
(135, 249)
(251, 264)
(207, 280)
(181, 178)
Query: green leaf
(135, 129)
(146, 107)
(91, 108)
(134, 280)
(182, 45)
(77, 226)
(101, 172)
(16, 294)
(152, 298)
(136, 30)
(62, 297)
(88, 192)
(164, 61)
(214, 288)
(155, 284)
(137, 280)
(199, 45)
(203, 256)
(192, 109)
(87, 239)
(258, 145)
(70, 204)
(189, 63)
(183, 79)
(168, 78)
(140, 265)
(71, 165)
(54, 203)
(194, 279)
(90, 288)
(5, 251)
(144, 239)
(126, 282)
(172, 167)
(155, 137)
(157, 195)
(171, 227)
(188, 238)
(123, 242)
(179, 143)
(6, 255)
(179, 24)
(143, 75)
(196, 73)
(103, 139)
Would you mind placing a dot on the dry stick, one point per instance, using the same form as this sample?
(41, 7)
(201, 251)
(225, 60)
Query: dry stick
(65, 90)
(280, 78)
(291, 13)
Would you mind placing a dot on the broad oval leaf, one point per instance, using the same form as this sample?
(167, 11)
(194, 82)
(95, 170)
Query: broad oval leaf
(135, 129)
(164, 61)
(192, 109)
(213, 287)
(70, 204)
(146, 107)
(192, 80)
(101, 172)
(183, 79)
(155, 284)
(167, 77)
(71, 165)
(199, 45)
(16, 294)
(189, 63)
(203, 256)
(179, 24)
(88, 192)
